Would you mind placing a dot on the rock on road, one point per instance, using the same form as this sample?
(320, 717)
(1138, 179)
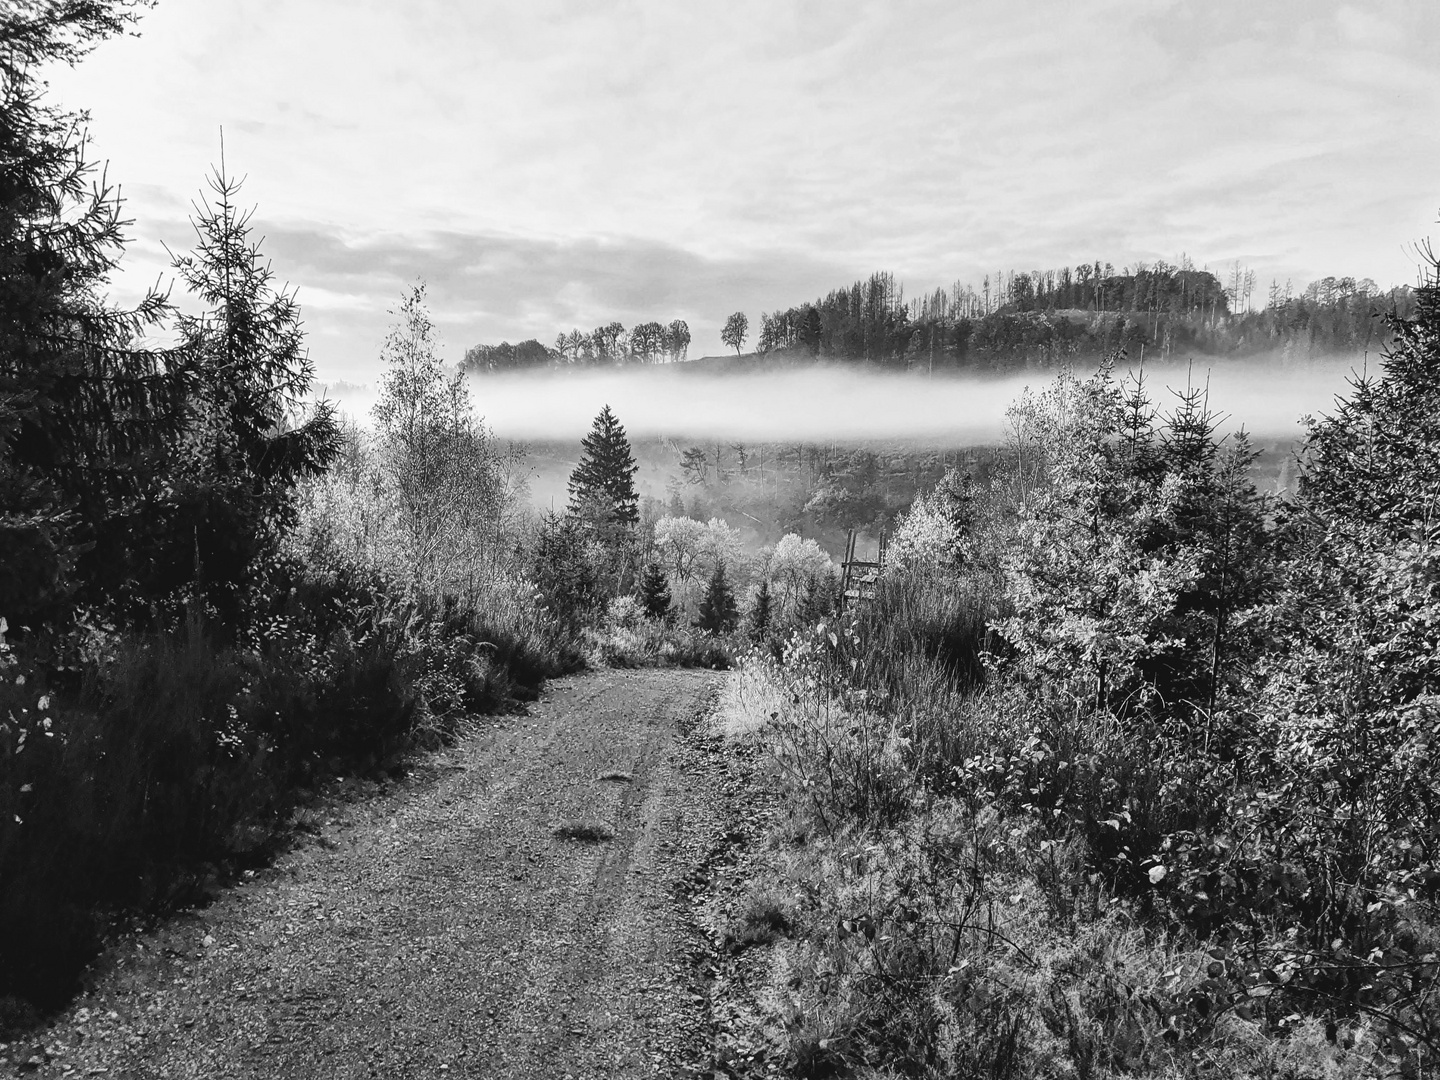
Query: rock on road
(446, 930)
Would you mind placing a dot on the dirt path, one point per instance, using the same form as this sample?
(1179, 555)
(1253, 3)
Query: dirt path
(446, 930)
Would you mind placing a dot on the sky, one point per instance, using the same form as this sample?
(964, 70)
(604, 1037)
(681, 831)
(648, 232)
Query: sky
(544, 165)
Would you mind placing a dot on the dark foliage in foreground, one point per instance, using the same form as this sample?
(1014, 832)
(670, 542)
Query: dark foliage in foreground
(176, 670)
(180, 756)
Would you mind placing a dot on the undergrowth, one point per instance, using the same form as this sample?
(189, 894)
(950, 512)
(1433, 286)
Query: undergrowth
(1127, 769)
(954, 930)
(139, 766)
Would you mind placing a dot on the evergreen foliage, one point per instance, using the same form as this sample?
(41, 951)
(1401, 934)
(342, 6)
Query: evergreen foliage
(760, 611)
(86, 413)
(564, 568)
(1354, 684)
(819, 598)
(718, 611)
(655, 591)
(230, 490)
(602, 485)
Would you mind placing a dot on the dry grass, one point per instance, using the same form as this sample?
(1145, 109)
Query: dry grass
(749, 700)
(948, 941)
(762, 916)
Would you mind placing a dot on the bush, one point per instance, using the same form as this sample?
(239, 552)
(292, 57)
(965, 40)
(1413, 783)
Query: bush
(623, 641)
(174, 756)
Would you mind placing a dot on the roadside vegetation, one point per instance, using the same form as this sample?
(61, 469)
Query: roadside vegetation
(1129, 769)
(218, 594)
(215, 593)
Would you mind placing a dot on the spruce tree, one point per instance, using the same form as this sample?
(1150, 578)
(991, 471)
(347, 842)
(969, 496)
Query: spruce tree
(86, 413)
(819, 600)
(760, 612)
(602, 486)
(655, 591)
(718, 611)
(247, 444)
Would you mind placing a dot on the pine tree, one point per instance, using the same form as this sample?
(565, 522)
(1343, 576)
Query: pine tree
(245, 450)
(602, 486)
(655, 591)
(718, 611)
(85, 413)
(760, 612)
(819, 600)
(563, 569)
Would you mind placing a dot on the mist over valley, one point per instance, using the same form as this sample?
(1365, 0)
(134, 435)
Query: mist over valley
(715, 403)
(495, 581)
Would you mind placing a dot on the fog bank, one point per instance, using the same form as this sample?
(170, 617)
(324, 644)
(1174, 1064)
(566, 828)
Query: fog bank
(834, 404)
(844, 404)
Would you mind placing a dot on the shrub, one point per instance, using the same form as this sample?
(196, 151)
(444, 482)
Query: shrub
(174, 755)
(648, 643)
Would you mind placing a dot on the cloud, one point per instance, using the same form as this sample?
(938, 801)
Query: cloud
(485, 288)
(559, 163)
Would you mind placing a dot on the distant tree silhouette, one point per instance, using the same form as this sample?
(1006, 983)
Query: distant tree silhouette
(647, 342)
(677, 340)
(737, 328)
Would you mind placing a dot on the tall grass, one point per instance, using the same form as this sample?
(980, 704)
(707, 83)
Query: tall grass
(1001, 880)
(170, 757)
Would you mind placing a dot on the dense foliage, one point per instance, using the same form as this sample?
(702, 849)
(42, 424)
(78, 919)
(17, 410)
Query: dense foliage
(1016, 321)
(213, 596)
(86, 410)
(1129, 769)
(1047, 318)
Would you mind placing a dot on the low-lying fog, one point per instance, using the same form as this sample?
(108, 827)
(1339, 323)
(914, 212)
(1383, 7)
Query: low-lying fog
(843, 404)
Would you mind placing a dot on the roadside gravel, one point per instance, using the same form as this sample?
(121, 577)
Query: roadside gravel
(443, 928)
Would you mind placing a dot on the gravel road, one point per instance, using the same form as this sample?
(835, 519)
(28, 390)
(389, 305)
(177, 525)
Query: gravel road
(444, 929)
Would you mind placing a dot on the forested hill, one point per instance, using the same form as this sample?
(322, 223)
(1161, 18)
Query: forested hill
(1014, 321)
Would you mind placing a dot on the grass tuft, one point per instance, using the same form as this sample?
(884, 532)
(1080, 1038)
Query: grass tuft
(762, 916)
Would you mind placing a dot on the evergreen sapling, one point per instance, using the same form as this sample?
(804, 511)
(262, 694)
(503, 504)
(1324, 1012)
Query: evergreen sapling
(760, 612)
(655, 592)
(718, 610)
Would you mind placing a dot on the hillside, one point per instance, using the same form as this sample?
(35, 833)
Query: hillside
(1028, 321)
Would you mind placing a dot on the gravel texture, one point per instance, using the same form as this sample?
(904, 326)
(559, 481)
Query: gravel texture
(459, 925)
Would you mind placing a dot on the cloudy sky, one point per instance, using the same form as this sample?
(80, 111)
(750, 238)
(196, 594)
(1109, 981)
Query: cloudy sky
(549, 164)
